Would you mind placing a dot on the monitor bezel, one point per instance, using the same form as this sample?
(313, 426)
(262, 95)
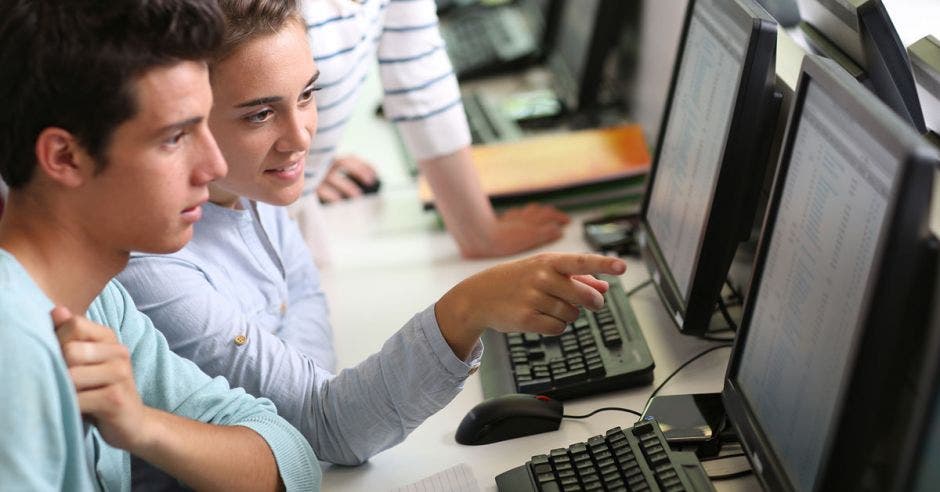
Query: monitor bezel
(925, 65)
(894, 265)
(926, 399)
(863, 31)
(727, 222)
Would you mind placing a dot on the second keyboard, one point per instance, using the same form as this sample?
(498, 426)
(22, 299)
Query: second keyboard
(599, 352)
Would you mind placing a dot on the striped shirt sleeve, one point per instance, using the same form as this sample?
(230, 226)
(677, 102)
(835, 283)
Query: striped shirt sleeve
(421, 93)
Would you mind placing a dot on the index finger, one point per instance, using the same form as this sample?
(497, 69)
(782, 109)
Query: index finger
(588, 264)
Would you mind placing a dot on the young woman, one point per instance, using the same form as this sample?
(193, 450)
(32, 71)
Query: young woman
(243, 299)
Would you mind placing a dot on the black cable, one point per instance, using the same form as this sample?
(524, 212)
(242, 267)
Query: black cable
(726, 315)
(716, 339)
(693, 359)
(734, 291)
(634, 412)
(639, 287)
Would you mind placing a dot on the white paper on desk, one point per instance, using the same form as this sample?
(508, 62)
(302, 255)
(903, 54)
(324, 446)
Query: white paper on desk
(458, 478)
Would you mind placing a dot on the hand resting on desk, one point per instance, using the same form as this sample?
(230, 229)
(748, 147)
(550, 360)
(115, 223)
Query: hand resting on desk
(542, 293)
(348, 177)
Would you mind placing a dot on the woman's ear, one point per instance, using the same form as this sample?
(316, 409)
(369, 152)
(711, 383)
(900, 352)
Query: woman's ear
(60, 157)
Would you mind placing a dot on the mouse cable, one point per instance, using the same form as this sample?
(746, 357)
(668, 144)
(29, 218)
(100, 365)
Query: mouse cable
(735, 293)
(604, 409)
(640, 287)
(726, 315)
(693, 359)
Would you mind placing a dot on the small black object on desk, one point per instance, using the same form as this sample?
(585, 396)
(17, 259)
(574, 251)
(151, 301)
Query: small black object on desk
(613, 233)
(507, 417)
(366, 188)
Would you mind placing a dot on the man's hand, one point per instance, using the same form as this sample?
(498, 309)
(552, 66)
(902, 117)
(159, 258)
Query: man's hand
(100, 368)
(341, 179)
(542, 293)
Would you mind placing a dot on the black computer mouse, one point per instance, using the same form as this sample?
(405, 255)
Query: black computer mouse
(367, 189)
(508, 417)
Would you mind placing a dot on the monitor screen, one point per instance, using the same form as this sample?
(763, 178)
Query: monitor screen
(712, 155)
(697, 125)
(810, 295)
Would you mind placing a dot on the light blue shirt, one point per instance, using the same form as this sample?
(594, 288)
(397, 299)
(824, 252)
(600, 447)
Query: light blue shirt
(243, 300)
(44, 444)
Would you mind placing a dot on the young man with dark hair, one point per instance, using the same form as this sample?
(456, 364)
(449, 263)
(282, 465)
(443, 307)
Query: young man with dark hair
(105, 146)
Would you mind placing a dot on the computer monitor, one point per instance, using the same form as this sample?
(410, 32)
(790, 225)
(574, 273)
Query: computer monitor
(863, 31)
(925, 63)
(833, 314)
(586, 32)
(711, 155)
(549, 11)
(786, 12)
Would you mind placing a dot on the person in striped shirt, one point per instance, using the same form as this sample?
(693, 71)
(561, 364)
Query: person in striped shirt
(422, 98)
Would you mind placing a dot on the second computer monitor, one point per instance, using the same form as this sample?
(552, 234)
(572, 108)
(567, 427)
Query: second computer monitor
(711, 155)
(863, 31)
(586, 33)
(831, 324)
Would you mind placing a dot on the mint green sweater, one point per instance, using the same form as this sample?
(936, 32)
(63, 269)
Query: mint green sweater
(46, 446)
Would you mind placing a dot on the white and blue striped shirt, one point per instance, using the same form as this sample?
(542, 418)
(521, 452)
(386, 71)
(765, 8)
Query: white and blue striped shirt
(421, 95)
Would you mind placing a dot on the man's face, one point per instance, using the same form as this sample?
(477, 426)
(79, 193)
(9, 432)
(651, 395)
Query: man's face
(149, 193)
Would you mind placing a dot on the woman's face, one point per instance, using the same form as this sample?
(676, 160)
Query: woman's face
(264, 116)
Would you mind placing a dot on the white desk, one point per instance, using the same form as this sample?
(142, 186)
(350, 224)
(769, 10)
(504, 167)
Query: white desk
(389, 260)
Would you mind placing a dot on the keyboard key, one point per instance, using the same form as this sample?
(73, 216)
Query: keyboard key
(531, 339)
(539, 459)
(643, 428)
(534, 385)
(572, 377)
(542, 469)
(569, 481)
(550, 487)
(536, 354)
(578, 448)
(557, 453)
(569, 473)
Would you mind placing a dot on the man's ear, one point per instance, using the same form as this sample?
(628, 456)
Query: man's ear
(61, 158)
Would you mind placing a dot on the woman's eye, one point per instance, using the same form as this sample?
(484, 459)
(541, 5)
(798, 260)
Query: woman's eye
(307, 94)
(260, 116)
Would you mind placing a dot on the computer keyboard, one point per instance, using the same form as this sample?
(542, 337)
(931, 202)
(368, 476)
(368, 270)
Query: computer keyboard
(632, 459)
(599, 352)
(486, 121)
(487, 39)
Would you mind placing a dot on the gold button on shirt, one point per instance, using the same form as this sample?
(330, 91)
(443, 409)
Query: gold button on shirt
(241, 340)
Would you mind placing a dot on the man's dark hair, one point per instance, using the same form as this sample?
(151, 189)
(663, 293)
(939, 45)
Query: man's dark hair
(73, 65)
